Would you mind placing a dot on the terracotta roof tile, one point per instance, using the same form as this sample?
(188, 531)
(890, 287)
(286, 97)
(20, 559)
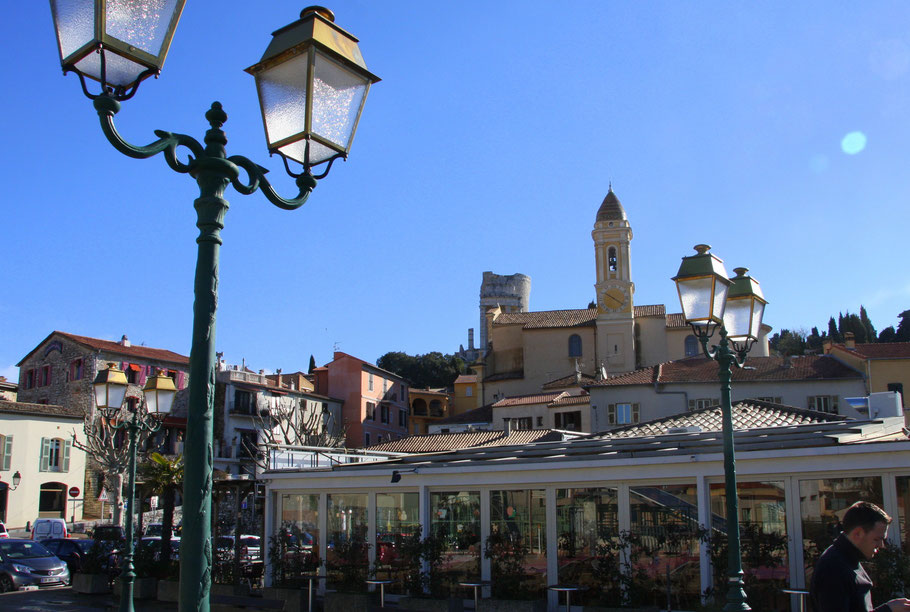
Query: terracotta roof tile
(467, 379)
(652, 310)
(434, 443)
(568, 381)
(748, 414)
(570, 400)
(548, 318)
(49, 410)
(879, 350)
(676, 320)
(759, 369)
(143, 352)
(527, 400)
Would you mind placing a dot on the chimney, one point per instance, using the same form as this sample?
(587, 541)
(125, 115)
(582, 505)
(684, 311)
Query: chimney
(278, 377)
(124, 341)
(850, 341)
(471, 338)
(827, 345)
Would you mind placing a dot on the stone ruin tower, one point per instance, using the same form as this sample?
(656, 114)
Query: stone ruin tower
(511, 293)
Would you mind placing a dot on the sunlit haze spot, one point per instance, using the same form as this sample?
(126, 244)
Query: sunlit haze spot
(818, 163)
(853, 143)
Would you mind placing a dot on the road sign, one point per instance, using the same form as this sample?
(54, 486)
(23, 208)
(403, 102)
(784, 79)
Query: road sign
(74, 491)
(103, 497)
(153, 502)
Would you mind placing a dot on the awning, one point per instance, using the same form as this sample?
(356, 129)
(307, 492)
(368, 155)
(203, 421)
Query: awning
(135, 368)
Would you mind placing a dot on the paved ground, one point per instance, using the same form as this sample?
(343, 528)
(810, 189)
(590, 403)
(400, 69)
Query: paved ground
(64, 600)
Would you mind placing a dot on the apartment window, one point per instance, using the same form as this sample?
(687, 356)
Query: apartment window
(370, 381)
(623, 413)
(823, 403)
(55, 455)
(243, 402)
(574, 345)
(469, 391)
(402, 418)
(76, 369)
(691, 346)
(29, 381)
(539, 421)
(568, 420)
(44, 376)
(132, 373)
(249, 444)
(371, 412)
(522, 423)
(703, 402)
(6, 452)
(366, 439)
(898, 387)
(384, 413)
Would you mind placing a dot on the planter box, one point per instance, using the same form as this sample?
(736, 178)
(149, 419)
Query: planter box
(515, 605)
(425, 604)
(295, 600)
(346, 602)
(91, 583)
(169, 590)
(143, 588)
(241, 590)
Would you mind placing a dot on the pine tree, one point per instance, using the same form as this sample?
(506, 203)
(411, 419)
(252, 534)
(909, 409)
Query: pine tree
(871, 336)
(833, 334)
(903, 328)
(312, 365)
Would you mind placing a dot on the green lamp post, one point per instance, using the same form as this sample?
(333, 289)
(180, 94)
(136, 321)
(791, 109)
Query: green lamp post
(312, 84)
(110, 387)
(712, 302)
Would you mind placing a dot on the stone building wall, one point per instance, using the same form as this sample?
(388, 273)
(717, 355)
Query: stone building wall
(511, 293)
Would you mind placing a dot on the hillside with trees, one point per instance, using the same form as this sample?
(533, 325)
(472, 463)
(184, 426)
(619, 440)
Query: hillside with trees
(433, 370)
(799, 342)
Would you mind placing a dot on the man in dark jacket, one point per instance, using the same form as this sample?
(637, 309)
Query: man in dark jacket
(839, 583)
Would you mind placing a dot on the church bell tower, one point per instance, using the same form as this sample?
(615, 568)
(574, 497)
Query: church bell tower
(614, 287)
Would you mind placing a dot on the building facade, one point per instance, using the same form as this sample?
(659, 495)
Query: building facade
(427, 407)
(36, 444)
(885, 365)
(375, 400)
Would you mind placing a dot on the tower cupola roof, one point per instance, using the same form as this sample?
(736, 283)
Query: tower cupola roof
(611, 209)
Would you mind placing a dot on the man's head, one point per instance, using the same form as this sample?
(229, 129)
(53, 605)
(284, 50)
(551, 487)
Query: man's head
(866, 526)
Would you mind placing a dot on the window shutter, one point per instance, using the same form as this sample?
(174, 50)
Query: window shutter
(142, 376)
(635, 412)
(7, 451)
(181, 380)
(611, 414)
(811, 402)
(45, 455)
(66, 455)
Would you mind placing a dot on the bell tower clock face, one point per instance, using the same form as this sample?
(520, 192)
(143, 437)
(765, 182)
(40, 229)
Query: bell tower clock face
(614, 298)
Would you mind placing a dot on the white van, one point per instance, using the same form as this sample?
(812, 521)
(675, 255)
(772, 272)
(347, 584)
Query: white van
(45, 528)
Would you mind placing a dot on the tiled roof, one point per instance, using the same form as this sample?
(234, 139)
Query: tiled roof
(652, 310)
(48, 410)
(570, 400)
(879, 350)
(527, 400)
(142, 352)
(484, 414)
(568, 381)
(434, 443)
(467, 379)
(548, 318)
(676, 320)
(758, 369)
(748, 414)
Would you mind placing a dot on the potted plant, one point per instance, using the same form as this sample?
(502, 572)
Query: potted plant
(294, 558)
(96, 571)
(416, 567)
(348, 572)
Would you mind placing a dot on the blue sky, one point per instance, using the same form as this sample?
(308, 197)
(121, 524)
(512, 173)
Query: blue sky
(777, 132)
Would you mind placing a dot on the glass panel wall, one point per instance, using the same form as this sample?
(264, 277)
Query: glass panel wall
(822, 503)
(664, 547)
(903, 508)
(398, 540)
(294, 549)
(763, 542)
(346, 549)
(518, 543)
(588, 544)
(455, 521)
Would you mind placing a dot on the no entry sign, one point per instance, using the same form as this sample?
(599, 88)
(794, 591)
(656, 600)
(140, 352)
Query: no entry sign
(74, 491)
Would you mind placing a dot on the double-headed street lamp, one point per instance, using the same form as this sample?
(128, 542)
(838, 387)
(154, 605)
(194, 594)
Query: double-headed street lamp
(312, 84)
(733, 306)
(110, 397)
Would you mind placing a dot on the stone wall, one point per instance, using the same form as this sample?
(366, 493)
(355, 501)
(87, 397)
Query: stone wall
(512, 293)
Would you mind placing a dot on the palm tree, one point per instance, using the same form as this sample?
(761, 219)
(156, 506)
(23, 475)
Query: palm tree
(164, 476)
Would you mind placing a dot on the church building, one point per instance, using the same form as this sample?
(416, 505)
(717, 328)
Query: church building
(526, 350)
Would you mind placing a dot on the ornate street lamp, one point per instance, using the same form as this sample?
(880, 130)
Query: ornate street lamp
(158, 397)
(312, 84)
(17, 478)
(710, 301)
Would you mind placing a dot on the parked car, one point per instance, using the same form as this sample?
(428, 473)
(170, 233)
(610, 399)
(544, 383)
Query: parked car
(109, 533)
(73, 552)
(153, 529)
(29, 563)
(153, 544)
(3, 532)
(250, 547)
(46, 528)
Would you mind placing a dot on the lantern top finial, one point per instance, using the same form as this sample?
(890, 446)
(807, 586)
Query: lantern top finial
(322, 11)
(702, 249)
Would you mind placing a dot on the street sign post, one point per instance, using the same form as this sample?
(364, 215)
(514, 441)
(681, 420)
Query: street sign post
(74, 493)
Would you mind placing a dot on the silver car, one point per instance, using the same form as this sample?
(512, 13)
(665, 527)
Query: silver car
(29, 563)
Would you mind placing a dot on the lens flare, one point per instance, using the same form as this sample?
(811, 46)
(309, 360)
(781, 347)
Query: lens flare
(853, 143)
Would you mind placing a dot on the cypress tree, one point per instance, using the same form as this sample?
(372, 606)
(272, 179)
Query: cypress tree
(867, 324)
(312, 365)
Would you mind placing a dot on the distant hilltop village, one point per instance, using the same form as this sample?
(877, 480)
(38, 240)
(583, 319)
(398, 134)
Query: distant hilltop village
(520, 351)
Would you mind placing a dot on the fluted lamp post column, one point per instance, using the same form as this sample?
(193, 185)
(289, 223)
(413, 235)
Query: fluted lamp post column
(140, 417)
(733, 307)
(312, 84)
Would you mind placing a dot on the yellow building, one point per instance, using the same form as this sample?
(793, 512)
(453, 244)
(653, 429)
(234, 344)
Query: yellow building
(427, 407)
(528, 350)
(885, 365)
(466, 395)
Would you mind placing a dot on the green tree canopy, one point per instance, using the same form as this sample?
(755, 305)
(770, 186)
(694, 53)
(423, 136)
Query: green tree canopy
(432, 370)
